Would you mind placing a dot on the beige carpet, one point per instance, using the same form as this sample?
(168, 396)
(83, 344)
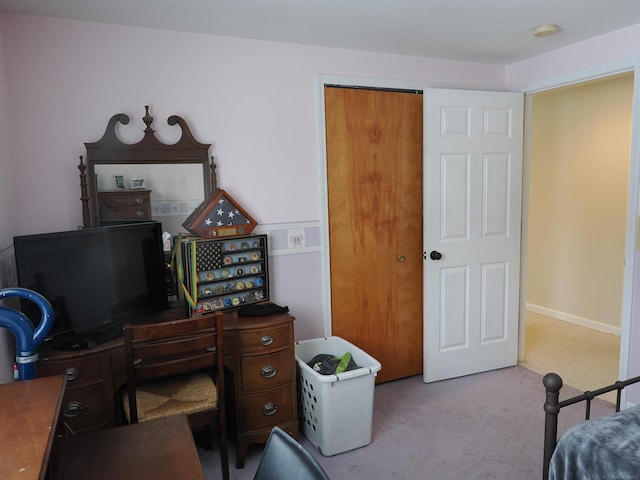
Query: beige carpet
(586, 359)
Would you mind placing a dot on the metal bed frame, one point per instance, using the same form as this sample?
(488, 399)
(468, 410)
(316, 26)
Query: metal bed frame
(553, 383)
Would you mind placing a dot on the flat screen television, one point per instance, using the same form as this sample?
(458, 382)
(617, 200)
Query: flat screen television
(96, 279)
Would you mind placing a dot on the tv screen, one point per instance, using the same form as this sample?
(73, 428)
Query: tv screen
(96, 279)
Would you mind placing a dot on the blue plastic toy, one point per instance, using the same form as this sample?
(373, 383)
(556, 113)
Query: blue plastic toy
(28, 338)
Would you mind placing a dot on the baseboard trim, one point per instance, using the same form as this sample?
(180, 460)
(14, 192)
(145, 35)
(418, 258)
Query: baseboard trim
(567, 317)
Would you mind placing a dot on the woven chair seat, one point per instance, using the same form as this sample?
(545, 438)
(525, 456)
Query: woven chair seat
(184, 394)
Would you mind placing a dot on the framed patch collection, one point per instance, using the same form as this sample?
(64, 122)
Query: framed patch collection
(224, 273)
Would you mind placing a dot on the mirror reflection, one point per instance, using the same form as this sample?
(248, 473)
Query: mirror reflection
(176, 189)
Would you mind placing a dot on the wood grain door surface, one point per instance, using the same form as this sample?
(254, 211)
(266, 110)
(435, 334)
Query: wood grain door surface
(374, 178)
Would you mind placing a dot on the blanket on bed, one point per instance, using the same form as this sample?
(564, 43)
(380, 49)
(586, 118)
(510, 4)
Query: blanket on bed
(606, 448)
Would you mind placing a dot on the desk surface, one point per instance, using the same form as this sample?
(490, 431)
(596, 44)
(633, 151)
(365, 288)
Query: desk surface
(28, 415)
(159, 449)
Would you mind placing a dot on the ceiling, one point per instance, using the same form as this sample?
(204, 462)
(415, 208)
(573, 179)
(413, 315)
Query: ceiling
(486, 31)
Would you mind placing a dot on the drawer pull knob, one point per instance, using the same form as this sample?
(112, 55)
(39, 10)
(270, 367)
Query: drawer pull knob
(73, 409)
(269, 371)
(266, 340)
(269, 409)
(212, 348)
(139, 201)
(71, 373)
(140, 213)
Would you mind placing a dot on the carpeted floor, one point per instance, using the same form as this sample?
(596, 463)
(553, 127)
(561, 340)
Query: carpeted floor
(586, 359)
(484, 426)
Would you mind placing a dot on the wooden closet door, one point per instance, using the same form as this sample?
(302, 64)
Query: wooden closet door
(374, 172)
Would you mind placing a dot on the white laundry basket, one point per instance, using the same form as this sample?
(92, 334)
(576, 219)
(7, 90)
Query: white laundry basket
(336, 411)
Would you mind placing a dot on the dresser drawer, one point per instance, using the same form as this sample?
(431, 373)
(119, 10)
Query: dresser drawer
(79, 371)
(267, 408)
(266, 371)
(262, 341)
(125, 213)
(132, 198)
(125, 205)
(85, 408)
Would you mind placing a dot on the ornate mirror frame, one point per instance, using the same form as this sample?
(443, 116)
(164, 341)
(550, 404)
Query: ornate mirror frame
(110, 150)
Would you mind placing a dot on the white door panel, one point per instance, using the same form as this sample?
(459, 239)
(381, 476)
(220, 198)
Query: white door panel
(473, 183)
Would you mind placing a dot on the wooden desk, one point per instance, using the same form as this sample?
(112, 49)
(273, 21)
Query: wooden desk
(28, 415)
(159, 449)
(261, 374)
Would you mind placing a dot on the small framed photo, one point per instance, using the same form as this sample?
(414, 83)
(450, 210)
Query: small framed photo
(137, 183)
(118, 182)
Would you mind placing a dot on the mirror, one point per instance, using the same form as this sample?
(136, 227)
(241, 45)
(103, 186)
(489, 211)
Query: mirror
(176, 190)
(119, 178)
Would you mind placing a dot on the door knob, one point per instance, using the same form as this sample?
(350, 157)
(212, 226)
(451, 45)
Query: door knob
(401, 258)
(435, 255)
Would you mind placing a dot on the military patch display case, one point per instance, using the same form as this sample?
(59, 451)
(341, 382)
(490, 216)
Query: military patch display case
(223, 273)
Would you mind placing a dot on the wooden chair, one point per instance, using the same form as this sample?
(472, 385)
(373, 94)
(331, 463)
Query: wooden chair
(177, 367)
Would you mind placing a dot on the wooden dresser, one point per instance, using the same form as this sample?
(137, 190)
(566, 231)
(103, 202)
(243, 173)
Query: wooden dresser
(261, 378)
(89, 399)
(119, 205)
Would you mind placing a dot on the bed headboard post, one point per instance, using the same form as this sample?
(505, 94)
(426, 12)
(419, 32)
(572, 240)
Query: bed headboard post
(552, 384)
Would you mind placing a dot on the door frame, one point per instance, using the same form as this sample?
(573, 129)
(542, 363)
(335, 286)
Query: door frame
(630, 64)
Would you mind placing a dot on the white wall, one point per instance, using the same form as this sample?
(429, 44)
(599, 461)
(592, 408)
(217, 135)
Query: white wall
(254, 101)
(8, 211)
(579, 164)
(8, 215)
(576, 58)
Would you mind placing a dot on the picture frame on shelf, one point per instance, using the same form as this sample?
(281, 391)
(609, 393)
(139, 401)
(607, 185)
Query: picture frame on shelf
(118, 182)
(137, 183)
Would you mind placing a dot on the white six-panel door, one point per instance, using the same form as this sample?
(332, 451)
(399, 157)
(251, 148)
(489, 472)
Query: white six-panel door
(472, 210)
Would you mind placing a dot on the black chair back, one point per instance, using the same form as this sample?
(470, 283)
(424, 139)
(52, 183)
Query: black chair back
(284, 457)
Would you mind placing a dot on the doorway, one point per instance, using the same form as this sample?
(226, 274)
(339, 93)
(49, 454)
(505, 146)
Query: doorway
(579, 179)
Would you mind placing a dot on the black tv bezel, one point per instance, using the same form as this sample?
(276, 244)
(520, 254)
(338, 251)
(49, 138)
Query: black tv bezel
(101, 331)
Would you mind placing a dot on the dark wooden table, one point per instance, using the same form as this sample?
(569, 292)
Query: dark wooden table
(160, 450)
(28, 418)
